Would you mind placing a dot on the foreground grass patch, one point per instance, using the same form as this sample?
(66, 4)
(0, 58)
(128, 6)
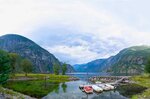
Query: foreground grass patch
(143, 80)
(130, 89)
(44, 84)
(36, 88)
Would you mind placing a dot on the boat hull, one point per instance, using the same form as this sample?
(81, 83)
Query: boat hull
(97, 89)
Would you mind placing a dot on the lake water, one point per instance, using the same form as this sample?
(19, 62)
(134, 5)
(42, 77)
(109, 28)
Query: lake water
(70, 90)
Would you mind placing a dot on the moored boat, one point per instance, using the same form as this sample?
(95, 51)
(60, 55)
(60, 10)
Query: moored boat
(88, 89)
(104, 87)
(98, 82)
(97, 89)
(81, 87)
(110, 86)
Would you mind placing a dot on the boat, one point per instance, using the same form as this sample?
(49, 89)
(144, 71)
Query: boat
(88, 89)
(81, 87)
(110, 86)
(98, 82)
(104, 87)
(96, 88)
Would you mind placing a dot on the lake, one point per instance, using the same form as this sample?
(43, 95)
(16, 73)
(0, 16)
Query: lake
(70, 90)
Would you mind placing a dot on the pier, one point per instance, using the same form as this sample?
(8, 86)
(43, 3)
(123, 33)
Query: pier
(110, 79)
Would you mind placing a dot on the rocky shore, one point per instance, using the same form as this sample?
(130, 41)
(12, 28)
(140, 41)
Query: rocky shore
(10, 94)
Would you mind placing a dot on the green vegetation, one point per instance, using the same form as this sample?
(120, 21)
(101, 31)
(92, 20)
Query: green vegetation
(130, 89)
(64, 68)
(143, 80)
(12, 94)
(37, 88)
(33, 88)
(51, 77)
(131, 60)
(56, 68)
(4, 66)
(14, 58)
(27, 66)
(16, 63)
(147, 67)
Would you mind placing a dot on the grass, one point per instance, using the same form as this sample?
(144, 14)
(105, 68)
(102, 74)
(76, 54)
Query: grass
(143, 80)
(36, 88)
(51, 77)
(11, 93)
(130, 89)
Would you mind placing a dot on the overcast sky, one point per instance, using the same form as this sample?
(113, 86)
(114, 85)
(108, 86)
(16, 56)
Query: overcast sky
(78, 31)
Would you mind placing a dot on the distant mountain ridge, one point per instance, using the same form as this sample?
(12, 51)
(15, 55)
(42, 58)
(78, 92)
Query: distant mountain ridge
(42, 60)
(129, 60)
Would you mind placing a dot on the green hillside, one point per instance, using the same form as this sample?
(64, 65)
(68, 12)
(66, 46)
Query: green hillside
(128, 61)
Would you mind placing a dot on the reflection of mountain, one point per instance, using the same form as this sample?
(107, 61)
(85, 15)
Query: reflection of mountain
(129, 60)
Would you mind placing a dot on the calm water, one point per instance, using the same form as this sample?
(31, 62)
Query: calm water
(70, 90)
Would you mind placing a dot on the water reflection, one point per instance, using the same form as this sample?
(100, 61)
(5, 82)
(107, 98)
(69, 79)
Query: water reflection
(64, 87)
(70, 90)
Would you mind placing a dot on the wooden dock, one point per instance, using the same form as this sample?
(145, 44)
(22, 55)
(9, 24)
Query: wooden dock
(110, 79)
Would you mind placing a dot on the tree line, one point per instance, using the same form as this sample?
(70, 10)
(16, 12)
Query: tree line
(12, 63)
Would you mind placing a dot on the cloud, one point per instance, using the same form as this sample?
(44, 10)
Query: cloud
(78, 31)
(75, 53)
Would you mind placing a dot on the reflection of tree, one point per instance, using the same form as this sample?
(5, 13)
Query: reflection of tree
(57, 89)
(64, 87)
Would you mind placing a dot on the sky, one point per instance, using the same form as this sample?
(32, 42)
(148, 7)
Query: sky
(78, 31)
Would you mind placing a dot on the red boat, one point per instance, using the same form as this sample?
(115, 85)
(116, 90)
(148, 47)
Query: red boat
(88, 89)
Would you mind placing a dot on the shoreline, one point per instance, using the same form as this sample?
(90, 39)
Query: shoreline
(11, 94)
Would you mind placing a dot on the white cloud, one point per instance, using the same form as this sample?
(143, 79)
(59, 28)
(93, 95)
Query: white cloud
(97, 28)
(79, 54)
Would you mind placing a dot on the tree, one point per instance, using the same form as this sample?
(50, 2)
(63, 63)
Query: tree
(26, 66)
(56, 68)
(64, 68)
(4, 66)
(147, 66)
(14, 62)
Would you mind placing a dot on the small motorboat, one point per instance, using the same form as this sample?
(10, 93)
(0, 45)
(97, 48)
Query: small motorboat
(88, 89)
(110, 86)
(97, 89)
(104, 87)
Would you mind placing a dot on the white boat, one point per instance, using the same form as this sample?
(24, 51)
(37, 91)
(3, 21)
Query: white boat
(96, 88)
(104, 87)
(110, 86)
(98, 82)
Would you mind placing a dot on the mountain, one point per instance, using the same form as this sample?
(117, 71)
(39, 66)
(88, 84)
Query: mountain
(93, 66)
(129, 60)
(42, 60)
